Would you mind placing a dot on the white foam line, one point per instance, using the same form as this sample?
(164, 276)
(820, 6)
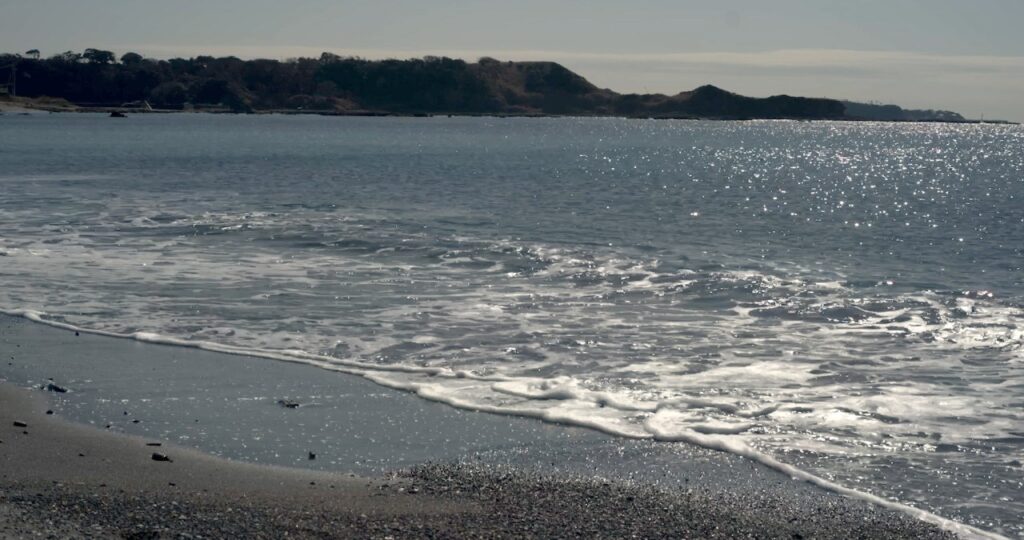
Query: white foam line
(961, 529)
(427, 392)
(346, 366)
(603, 399)
(372, 372)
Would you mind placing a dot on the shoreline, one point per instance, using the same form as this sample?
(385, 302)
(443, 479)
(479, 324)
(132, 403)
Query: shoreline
(71, 480)
(26, 106)
(736, 496)
(764, 468)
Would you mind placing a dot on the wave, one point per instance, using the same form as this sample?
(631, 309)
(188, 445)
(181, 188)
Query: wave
(768, 359)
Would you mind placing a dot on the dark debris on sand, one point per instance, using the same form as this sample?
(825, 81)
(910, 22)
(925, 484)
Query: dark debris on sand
(497, 504)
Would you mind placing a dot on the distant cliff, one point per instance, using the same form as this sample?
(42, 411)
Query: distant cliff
(895, 113)
(341, 85)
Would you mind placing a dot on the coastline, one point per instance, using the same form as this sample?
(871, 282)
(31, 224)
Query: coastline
(71, 481)
(728, 496)
(27, 106)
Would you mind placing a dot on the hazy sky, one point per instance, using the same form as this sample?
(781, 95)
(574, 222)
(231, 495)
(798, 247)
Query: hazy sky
(964, 55)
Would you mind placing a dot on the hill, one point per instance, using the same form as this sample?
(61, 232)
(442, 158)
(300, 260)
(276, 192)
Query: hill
(895, 113)
(332, 84)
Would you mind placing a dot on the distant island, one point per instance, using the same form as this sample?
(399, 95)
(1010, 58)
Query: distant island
(331, 84)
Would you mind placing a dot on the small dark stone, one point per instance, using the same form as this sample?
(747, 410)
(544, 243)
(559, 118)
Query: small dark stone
(49, 412)
(19, 423)
(157, 456)
(153, 444)
(117, 114)
(312, 456)
(135, 421)
(56, 388)
(76, 332)
(81, 454)
(288, 404)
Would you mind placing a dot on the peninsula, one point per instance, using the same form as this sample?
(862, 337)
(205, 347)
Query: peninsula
(331, 84)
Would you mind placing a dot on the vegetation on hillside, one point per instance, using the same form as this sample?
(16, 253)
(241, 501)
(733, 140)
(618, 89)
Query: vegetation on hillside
(348, 85)
(876, 111)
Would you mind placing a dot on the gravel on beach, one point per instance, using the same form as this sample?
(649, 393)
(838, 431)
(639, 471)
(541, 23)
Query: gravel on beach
(489, 504)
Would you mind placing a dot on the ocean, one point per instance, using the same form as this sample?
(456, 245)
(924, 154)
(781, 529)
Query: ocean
(842, 301)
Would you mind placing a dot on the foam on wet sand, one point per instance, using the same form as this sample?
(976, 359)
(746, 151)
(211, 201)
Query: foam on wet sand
(70, 479)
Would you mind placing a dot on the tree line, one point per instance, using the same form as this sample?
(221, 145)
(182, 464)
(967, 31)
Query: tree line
(332, 83)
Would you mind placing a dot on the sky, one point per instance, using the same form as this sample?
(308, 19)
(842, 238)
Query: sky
(966, 56)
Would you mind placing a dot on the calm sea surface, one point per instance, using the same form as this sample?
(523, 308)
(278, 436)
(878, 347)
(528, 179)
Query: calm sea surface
(847, 298)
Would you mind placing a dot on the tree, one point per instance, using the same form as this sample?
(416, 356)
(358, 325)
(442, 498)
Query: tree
(70, 57)
(326, 88)
(32, 53)
(329, 58)
(169, 95)
(131, 59)
(210, 91)
(97, 56)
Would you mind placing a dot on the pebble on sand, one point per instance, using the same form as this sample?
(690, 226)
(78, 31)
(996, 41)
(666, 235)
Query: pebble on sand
(56, 388)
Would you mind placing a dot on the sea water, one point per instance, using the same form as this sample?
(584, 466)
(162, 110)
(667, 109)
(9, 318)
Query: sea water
(842, 301)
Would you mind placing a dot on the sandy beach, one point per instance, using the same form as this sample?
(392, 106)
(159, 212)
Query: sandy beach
(66, 479)
(69, 480)
(21, 105)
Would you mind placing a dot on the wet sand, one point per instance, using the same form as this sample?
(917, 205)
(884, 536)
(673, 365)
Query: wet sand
(68, 479)
(61, 477)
